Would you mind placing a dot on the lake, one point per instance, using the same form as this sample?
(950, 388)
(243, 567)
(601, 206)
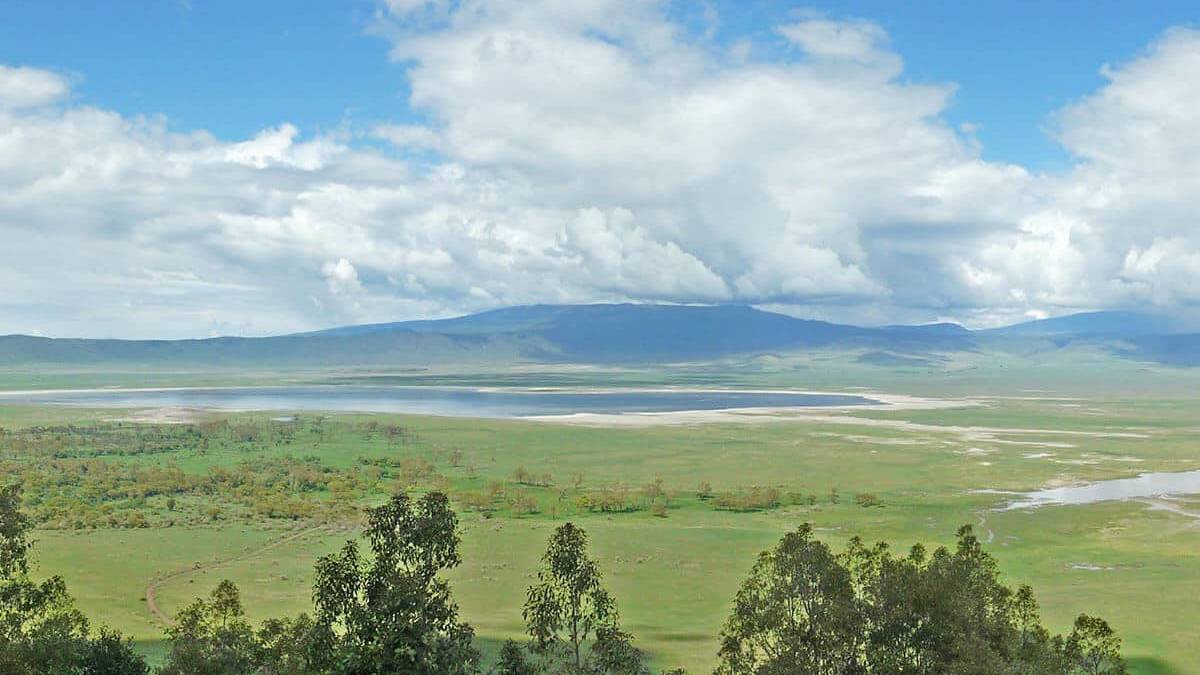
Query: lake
(452, 402)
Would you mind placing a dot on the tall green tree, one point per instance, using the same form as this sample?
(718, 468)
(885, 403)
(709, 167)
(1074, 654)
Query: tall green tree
(394, 614)
(805, 611)
(569, 607)
(1093, 648)
(14, 533)
(796, 613)
(948, 611)
(212, 637)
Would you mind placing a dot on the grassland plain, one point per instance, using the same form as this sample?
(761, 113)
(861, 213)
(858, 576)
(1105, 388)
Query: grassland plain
(674, 577)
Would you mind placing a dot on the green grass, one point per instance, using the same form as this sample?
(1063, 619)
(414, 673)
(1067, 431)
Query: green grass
(674, 577)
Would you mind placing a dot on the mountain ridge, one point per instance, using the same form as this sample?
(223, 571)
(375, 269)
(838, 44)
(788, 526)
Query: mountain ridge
(608, 333)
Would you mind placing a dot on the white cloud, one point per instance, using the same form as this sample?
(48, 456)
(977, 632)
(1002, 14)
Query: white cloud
(341, 277)
(277, 147)
(406, 135)
(855, 40)
(593, 151)
(22, 87)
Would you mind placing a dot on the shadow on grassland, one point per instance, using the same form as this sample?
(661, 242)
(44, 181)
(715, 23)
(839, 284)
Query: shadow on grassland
(1148, 665)
(155, 651)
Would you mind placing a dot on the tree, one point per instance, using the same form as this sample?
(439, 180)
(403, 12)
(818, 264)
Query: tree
(111, 653)
(14, 533)
(512, 660)
(804, 610)
(212, 637)
(41, 631)
(1093, 648)
(948, 612)
(394, 614)
(613, 653)
(796, 613)
(569, 606)
(286, 646)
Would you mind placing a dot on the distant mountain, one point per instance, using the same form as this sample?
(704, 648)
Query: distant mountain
(614, 333)
(284, 351)
(1180, 349)
(543, 333)
(1110, 324)
(624, 332)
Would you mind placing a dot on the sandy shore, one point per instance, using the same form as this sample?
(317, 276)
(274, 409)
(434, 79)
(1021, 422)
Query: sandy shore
(752, 415)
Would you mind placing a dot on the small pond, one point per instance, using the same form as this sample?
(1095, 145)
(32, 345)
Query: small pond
(1145, 485)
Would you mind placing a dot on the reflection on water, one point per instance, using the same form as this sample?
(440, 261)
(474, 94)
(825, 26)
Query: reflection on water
(1145, 485)
(433, 400)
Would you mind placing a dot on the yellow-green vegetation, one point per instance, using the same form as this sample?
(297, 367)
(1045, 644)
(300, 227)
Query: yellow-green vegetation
(676, 514)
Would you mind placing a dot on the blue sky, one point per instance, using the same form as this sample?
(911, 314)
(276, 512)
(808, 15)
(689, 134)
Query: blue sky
(233, 67)
(172, 169)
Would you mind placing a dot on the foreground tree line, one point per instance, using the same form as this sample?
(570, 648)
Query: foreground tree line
(802, 610)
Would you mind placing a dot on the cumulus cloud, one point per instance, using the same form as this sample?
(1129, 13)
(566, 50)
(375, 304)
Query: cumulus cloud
(341, 277)
(29, 87)
(595, 151)
(1120, 228)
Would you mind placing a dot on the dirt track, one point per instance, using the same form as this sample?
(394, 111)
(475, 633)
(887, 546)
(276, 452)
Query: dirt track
(152, 589)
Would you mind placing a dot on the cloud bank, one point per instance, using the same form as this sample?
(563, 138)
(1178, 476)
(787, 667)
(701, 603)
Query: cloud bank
(598, 151)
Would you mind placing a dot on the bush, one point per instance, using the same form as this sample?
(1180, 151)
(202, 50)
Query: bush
(867, 500)
(755, 499)
(522, 503)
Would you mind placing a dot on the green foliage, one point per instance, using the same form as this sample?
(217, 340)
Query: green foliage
(569, 607)
(797, 612)
(513, 661)
(212, 637)
(1093, 648)
(14, 533)
(111, 653)
(286, 646)
(394, 614)
(85, 476)
(41, 631)
(805, 610)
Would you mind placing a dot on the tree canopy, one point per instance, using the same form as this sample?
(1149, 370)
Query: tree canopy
(804, 610)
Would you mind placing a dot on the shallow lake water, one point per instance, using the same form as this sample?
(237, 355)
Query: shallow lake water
(455, 402)
(1145, 485)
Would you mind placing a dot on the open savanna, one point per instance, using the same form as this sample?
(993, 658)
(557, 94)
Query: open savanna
(674, 576)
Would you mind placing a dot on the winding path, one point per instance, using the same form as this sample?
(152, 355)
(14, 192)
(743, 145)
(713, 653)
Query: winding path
(152, 589)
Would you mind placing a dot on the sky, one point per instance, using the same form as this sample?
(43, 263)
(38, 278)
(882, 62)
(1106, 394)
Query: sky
(175, 168)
